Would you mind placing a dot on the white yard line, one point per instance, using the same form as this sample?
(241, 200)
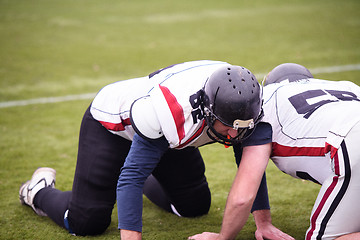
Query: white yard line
(343, 68)
(47, 100)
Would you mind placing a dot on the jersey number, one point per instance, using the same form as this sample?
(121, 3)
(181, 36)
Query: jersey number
(300, 101)
(195, 101)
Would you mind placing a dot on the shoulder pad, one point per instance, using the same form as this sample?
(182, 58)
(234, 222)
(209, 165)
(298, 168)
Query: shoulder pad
(144, 119)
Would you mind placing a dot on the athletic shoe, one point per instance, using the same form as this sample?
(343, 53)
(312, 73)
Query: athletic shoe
(41, 178)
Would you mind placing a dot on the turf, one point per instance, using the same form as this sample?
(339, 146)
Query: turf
(58, 48)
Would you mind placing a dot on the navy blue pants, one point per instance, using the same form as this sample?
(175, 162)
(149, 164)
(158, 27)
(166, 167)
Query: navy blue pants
(179, 180)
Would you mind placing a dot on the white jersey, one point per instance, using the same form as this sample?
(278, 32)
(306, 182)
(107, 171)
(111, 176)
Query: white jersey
(174, 90)
(309, 115)
(316, 134)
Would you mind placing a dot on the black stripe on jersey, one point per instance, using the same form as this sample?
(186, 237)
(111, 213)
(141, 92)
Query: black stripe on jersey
(341, 193)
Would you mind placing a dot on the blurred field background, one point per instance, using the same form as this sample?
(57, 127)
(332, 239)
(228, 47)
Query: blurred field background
(53, 48)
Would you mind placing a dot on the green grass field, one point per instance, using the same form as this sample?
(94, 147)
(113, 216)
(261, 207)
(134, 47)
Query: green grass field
(53, 48)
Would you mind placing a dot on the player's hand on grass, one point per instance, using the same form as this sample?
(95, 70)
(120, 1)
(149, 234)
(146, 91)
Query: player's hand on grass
(265, 229)
(271, 232)
(205, 236)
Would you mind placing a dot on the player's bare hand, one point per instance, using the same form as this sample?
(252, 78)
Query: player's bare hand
(205, 236)
(271, 232)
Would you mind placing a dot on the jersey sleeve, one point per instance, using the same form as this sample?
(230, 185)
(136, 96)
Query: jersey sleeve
(142, 158)
(261, 135)
(261, 201)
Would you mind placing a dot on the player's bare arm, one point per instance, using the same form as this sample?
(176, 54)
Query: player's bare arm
(244, 189)
(129, 235)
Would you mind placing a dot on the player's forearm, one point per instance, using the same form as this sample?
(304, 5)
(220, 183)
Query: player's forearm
(236, 214)
(244, 189)
(129, 235)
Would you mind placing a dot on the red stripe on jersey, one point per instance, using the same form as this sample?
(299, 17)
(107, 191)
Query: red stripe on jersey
(176, 111)
(287, 151)
(196, 134)
(331, 149)
(116, 126)
(320, 207)
(326, 195)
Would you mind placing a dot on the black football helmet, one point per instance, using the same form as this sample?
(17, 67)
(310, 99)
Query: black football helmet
(233, 96)
(291, 71)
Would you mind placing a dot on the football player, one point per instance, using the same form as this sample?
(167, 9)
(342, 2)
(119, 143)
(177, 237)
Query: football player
(142, 135)
(316, 132)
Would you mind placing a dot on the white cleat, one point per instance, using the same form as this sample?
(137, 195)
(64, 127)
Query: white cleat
(41, 178)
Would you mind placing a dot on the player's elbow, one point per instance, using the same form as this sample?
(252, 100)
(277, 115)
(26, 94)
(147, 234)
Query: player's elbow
(242, 202)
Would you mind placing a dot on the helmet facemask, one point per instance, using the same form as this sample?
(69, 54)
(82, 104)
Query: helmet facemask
(244, 128)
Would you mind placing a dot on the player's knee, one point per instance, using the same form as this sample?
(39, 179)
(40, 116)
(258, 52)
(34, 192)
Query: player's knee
(195, 206)
(92, 222)
(193, 210)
